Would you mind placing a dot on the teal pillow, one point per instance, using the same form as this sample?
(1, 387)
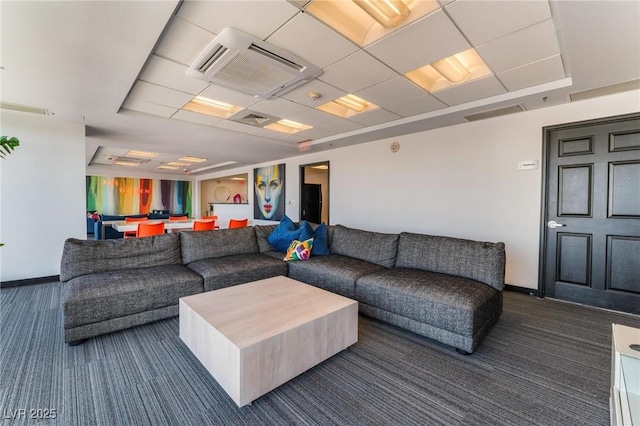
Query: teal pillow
(284, 234)
(279, 238)
(320, 241)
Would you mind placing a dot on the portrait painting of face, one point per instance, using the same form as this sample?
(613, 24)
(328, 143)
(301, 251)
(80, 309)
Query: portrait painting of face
(269, 192)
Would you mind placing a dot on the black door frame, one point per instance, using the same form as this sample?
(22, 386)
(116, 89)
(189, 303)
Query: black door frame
(318, 163)
(546, 140)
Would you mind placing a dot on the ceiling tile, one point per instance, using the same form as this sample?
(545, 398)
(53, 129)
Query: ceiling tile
(268, 133)
(391, 92)
(544, 71)
(342, 127)
(415, 106)
(536, 42)
(420, 43)
(194, 117)
(471, 91)
(257, 18)
(149, 108)
(314, 117)
(143, 91)
(356, 72)
(229, 96)
(327, 92)
(166, 73)
(483, 21)
(311, 134)
(183, 41)
(312, 41)
(377, 116)
(282, 108)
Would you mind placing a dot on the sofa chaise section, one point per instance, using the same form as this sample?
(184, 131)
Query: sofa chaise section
(115, 284)
(227, 257)
(447, 289)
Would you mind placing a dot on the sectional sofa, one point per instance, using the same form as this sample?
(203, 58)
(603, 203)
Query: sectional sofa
(447, 289)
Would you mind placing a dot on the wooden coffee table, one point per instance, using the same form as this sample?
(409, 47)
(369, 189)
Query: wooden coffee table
(254, 337)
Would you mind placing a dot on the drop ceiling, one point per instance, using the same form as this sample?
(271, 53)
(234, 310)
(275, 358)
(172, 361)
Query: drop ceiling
(121, 68)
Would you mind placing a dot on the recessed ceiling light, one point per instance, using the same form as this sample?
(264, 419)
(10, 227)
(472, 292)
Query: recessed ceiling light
(365, 21)
(444, 73)
(347, 106)
(288, 126)
(211, 107)
(178, 164)
(167, 167)
(145, 154)
(193, 159)
(126, 163)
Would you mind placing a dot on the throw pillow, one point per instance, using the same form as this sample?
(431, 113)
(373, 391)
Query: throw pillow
(281, 237)
(320, 241)
(299, 250)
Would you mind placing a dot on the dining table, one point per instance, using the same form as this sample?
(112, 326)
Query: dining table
(169, 225)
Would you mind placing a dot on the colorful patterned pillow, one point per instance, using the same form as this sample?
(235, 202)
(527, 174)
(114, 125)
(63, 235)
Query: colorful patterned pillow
(299, 250)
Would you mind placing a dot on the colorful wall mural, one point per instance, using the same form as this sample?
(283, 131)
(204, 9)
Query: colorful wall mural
(125, 196)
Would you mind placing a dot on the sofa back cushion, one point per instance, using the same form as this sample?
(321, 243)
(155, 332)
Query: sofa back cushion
(477, 260)
(262, 233)
(82, 257)
(374, 247)
(222, 242)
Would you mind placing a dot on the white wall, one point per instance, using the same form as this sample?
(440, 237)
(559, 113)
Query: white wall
(42, 194)
(459, 181)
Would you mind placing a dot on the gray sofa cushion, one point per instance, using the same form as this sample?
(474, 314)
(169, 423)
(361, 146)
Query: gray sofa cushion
(374, 247)
(480, 261)
(456, 304)
(82, 257)
(221, 272)
(222, 242)
(262, 232)
(333, 272)
(106, 295)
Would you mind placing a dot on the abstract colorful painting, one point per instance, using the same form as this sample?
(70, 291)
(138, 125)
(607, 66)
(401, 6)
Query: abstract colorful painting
(124, 196)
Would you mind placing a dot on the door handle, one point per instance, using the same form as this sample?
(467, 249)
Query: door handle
(553, 224)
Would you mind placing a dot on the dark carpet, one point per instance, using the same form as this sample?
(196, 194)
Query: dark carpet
(544, 363)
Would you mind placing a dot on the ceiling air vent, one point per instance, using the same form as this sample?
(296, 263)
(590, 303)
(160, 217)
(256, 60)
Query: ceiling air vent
(241, 62)
(494, 113)
(253, 118)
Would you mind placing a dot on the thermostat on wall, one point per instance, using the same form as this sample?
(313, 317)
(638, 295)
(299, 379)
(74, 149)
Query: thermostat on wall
(527, 165)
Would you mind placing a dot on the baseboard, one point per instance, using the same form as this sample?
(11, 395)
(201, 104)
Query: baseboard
(518, 289)
(30, 281)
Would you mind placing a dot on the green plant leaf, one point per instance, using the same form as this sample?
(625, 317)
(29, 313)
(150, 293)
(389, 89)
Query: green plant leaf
(7, 145)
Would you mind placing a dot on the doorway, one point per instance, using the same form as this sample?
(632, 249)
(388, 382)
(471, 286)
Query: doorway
(314, 192)
(590, 248)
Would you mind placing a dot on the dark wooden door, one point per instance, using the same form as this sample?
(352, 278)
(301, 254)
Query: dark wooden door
(591, 239)
(311, 202)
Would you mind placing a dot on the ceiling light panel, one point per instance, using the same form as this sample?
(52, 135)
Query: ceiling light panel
(193, 159)
(288, 126)
(450, 71)
(166, 167)
(211, 107)
(355, 19)
(126, 163)
(347, 106)
(138, 154)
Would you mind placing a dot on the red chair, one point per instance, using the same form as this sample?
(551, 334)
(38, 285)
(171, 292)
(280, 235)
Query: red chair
(149, 229)
(132, 234)
(238, 223)
(214, 218)
(204, 225)
(178, 218)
